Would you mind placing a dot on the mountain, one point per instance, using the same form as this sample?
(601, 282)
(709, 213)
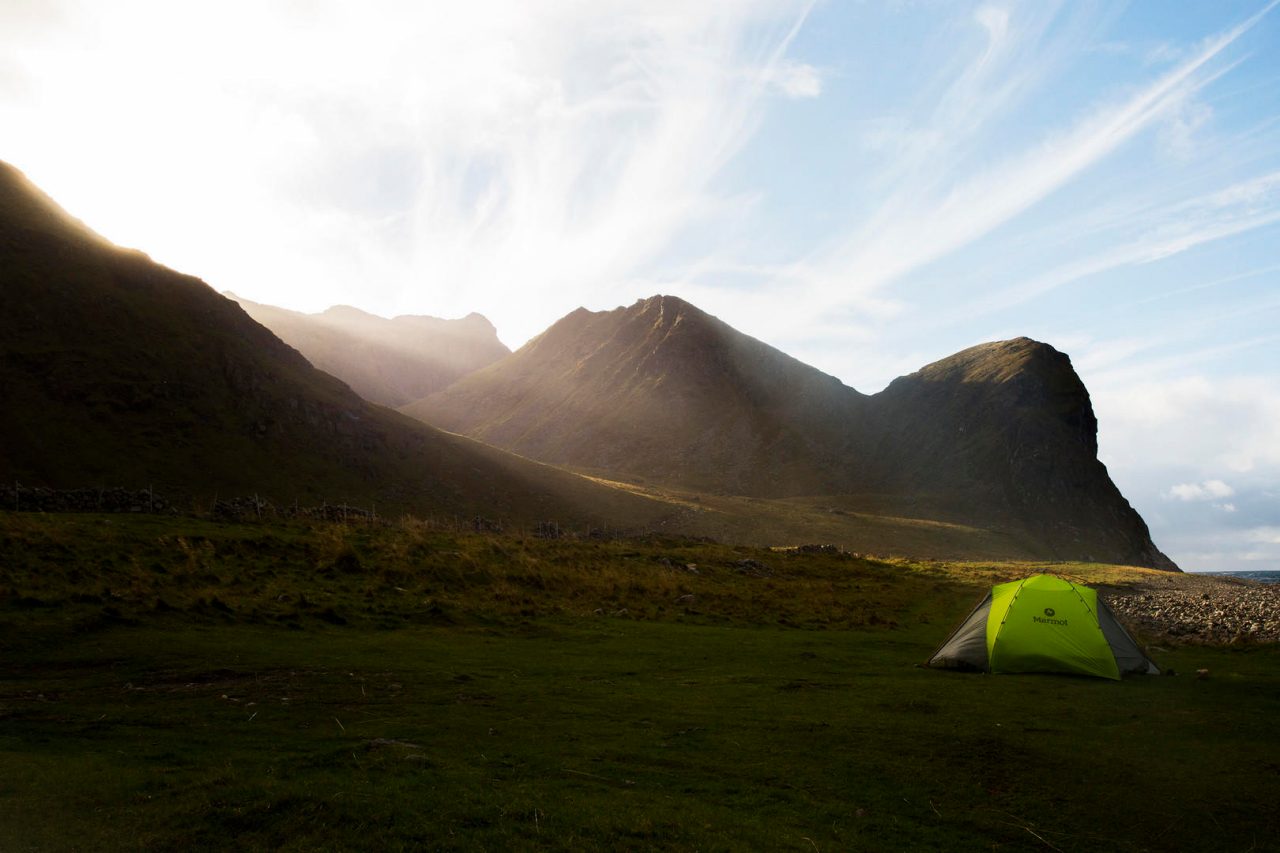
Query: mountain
(117, 371)
(659, 391)
(392, 362)
(1001, 436)
(1009, 427)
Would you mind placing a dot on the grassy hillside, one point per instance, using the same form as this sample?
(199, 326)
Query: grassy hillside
(172, 683)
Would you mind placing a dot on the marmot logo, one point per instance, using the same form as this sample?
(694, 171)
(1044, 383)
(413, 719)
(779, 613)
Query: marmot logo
(1050, 612)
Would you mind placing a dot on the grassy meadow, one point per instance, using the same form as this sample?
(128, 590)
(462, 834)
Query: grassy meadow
(172, 683)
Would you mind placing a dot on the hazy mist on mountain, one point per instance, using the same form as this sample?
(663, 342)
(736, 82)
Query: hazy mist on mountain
(392, 362)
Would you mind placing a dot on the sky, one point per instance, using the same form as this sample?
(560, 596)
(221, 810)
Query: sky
(868, 186)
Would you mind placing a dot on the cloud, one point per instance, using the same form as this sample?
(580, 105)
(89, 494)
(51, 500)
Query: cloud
(520, 159)
(936, 210)
(1178, 135)
(979, 204)
(1265, 535)
(1163, 53)
(1166, 231)
(994, 20)
(1207, 285)
(796, 79)
(1231, 424)
(496, 155)
(1208, 490)
(1198, 458)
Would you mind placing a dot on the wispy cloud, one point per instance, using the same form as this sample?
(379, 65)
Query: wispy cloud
(1187, 358)
(494, 155)
(914, 230)
(1167, 231)
(796, 79)
(1207, 285)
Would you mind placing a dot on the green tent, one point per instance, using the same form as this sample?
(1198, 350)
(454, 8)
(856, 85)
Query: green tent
(1043, 624)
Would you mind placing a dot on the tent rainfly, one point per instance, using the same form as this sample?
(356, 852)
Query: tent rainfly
(1043, 624)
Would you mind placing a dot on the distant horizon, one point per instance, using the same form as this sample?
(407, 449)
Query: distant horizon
(868, 188)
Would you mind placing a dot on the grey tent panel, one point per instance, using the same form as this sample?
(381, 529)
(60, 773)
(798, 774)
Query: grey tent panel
(966, 648)
(1129, 658)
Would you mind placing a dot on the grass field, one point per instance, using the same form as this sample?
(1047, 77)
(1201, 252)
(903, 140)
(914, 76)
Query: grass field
(173, 683)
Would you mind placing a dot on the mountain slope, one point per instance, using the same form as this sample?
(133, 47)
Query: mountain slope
(1001, 436)
(392, 362)
(662, 391)
(118, 371)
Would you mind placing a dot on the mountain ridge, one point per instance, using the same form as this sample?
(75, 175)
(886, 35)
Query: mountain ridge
(118, 371)
(616, 385)
(1001, 434)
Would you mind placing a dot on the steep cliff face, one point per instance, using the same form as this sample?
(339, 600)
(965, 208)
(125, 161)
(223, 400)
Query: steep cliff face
(387, 361)
(659, 390)
(1010, 427)
(119, 372)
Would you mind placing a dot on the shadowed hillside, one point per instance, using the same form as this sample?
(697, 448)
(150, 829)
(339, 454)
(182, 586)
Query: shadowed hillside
(118, 371)
(391, 362)
(1000, 437)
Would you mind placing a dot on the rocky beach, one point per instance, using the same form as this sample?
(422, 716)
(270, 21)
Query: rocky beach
(1198, 608)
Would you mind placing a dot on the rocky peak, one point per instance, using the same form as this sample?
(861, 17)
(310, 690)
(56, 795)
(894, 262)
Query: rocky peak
(1022, 377)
